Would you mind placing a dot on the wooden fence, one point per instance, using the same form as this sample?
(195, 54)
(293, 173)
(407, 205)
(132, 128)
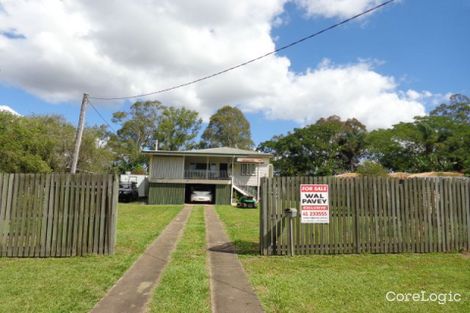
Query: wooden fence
(369, 214)
(57, 215)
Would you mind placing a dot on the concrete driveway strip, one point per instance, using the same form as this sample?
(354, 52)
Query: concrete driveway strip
(230, 290)
(133, 291)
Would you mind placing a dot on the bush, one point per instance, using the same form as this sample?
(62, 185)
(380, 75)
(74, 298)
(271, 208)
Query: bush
(371, 168)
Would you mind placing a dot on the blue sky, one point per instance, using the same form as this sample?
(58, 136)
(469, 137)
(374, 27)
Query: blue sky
(421, 46)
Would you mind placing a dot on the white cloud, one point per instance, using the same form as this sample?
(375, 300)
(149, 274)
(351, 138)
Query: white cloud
(6, 108)
(428, 98)
(115, 48)
(336, 8)
(353, 90)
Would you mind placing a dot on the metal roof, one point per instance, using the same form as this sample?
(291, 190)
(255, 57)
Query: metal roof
(223, 151)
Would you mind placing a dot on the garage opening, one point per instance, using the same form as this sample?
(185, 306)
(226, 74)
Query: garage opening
(198, 193)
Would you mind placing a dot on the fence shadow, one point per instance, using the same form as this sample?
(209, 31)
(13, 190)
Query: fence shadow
(238, 247)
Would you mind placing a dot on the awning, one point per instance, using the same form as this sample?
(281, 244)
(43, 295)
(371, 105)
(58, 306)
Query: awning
(250, 160)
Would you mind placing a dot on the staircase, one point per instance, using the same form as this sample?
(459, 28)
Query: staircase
(249, 191)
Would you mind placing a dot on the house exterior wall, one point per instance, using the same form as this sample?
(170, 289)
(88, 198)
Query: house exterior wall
(251, 180)
(222, 194)
(175, 167)
(167, 167)
(166, 193)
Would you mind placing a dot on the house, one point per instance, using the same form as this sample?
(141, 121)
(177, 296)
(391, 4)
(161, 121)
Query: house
(174, 175)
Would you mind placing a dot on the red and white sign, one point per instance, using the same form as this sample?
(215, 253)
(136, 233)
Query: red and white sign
(314, 204)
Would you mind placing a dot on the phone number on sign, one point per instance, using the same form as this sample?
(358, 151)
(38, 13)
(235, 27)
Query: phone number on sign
(314, 213)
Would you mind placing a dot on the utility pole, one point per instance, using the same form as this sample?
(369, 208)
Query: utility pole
(78, 137)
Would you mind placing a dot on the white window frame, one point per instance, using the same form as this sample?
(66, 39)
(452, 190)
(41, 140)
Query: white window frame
(248, 169)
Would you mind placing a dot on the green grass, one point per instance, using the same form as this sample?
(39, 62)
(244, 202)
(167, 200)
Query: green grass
(345, 283)
(76, 284)
(185, 283)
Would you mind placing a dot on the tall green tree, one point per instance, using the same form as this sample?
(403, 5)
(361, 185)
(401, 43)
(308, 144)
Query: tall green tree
(140, 123)
(44, 143)
(146, 122)
(457, 109)
(228, 127)
(20, 150)
(137, 133)
(177, 129)
(439, 142)
(328, 147)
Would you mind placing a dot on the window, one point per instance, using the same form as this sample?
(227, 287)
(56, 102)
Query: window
(248, 169)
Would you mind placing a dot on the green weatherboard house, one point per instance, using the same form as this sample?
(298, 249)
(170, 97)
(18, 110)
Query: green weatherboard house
(174, 175)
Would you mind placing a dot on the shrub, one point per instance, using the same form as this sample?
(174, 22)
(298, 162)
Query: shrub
(371, 168)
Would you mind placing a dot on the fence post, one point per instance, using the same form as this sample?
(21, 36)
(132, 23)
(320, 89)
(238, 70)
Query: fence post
(263, 217)
(355, 207)
(467, 209)
(114, 213)
(291, 237)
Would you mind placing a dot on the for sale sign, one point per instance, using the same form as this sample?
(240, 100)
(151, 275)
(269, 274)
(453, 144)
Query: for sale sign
(314, 205)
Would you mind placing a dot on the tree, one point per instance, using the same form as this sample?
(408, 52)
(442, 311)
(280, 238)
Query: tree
(139, 125)
(438, 142)
(228, 127)
(178, 128)
(44, 143)
(330, 146)
(146, 122)
(350, 138)
(20, 151)
(458, 109)
(137, 133)
(96, 155)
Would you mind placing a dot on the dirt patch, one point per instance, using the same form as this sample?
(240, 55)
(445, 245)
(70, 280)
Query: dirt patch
(400, 175)
(405, 175)
(436, 174)
(348, 175)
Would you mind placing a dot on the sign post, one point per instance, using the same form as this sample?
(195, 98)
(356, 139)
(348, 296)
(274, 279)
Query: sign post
(314, 204)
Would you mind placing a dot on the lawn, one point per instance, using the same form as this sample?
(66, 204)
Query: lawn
(76, 284)
(185, 283)
(345, 283)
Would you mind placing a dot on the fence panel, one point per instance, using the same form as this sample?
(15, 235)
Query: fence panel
(368, 215)
(57, 215)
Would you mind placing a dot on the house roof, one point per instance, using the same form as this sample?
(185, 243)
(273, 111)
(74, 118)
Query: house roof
(222, 151)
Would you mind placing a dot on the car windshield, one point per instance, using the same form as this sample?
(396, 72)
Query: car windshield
(202, 193)
(125, 186)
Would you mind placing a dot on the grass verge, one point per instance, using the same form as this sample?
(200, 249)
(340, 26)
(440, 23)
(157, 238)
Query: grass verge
(345, 283)
(76, 284)
(185, 283)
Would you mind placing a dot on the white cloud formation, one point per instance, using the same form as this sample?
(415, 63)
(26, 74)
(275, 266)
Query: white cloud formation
(428, 98)
(354, 90)
(336, 8)
(115, 48)
(6, 108)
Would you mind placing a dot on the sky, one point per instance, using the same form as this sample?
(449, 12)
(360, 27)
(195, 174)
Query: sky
(384, 68)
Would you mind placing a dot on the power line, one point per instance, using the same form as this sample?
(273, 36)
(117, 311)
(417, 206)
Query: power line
(251, 60)
(99, 114)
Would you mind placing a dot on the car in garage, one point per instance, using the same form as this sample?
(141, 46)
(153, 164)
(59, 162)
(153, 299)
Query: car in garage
(201, 196)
